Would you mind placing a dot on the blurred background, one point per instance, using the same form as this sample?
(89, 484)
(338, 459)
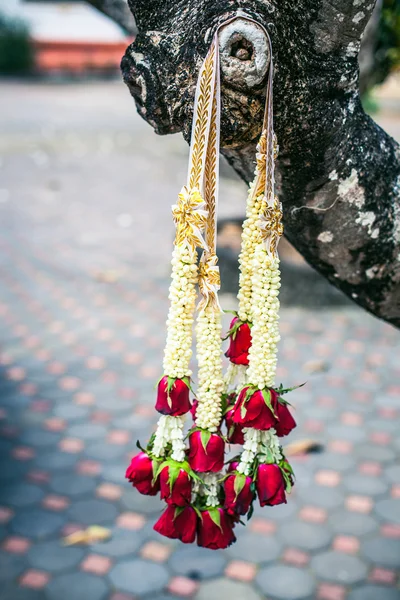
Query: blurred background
(86, 236)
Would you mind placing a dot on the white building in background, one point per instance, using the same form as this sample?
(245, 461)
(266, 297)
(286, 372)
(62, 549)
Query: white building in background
(69, 36)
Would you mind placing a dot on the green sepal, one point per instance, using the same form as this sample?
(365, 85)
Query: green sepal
(267, 399)
(215, 517)
(171, 383)
(178, 510)
(158, 381)
(233, 330)
(269, 457)
(281, 390)
(138, 445)
(240, 481)
(288, 483)
(198, 512)
(155, 466)
(205, 436)
(251, 511)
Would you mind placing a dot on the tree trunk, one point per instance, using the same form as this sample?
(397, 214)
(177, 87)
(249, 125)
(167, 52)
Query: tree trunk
(339, 173)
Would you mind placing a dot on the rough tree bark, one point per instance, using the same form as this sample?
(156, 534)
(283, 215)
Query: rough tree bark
(118, 11)
(339, 173)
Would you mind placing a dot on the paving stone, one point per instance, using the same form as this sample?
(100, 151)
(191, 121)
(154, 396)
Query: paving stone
(14, 592)
(39, 438)
(374, 592)
(71, 412)
(342, 462)
(371, 452)
(121, 544)
(13, 469)
(91, 512)
(277, 513)
(21, 494)
(106, 452)
(362, 484)
(393, 473)
(197, 563)
(338, 567)
(307, 536)
(149, 505)
(88, 431)
(352, 523)
(347, 432)
(326, 497)
(114, 473)
(72, 484)
(79, 586)
(389, 510)
(286, 583)
(382, 551)
(11, 565)
(139, 577)
(255, 548)
(54, 557)
(55, 461)
(219, 589)
(37, 523)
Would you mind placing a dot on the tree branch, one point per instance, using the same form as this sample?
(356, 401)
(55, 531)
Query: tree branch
(339, 173)
(118, 11)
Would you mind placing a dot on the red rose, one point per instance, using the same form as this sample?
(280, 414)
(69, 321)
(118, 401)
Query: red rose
(140, 473)
(175, 401)
(178, 524)
(238, 494)
(215, 529)
(240, 342)
(253, 411)
(235, 431)
(206, 451)
(176, 487)
(285, 422)
(270, 485)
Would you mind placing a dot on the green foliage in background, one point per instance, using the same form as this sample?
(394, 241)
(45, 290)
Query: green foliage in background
(16, 52)
(388, 42)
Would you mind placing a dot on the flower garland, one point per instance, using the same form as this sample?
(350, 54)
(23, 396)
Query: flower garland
(203, 502)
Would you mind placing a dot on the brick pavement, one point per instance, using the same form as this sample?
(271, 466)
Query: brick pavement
(84, 274)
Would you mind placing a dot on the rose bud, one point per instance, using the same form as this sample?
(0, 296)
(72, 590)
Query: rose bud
(206, 451)
(235, 431)
(172, 397)
(176, 487)
(270, 485)
(215, 529)
(252, 410)
(193, 410)
(285, 422)
(141, 474)
(240, 342)
(233, 466)
(178, 524)
(238, 494)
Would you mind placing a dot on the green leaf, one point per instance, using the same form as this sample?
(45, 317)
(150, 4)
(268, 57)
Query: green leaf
(240, 481)
(138, 445)
(173, 474)
(243, 411)
(251, 510)
(170, 385)
(215, 516)
(205, 438)
(281, 390)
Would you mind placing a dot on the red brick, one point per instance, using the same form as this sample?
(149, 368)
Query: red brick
(69, 383)
(34, 579)
(5, 514)
(38, 476)
(119, 436)
(182, 586)
(380, 437)
(361, 504)
(331, 591)
(371, 468)
(241, 570)
(84, 398)
(55, 424)
(390, 530)
(131, 520)
(110, 491)
(346, 543)
(296, 557)
(313, 514)
(56, 503)
(260, 525)
(327, 478)
(156, 551)
(71, 445)
(23, 453)
(380, 575)
(395, 491)
(100, 416)
(94, 563)
(340, 446)
(16, 545)
(89, 467)
(95, 362)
